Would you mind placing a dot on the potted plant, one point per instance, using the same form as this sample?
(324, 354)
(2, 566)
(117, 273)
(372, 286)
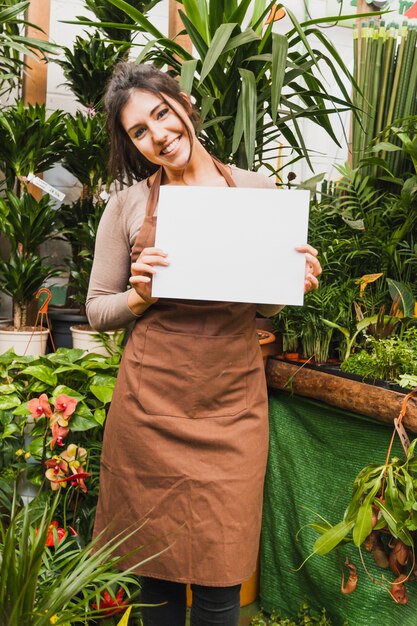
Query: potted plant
(380, 516)
(26, 223)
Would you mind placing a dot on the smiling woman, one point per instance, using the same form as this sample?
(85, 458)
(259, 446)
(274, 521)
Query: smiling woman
(187, 433)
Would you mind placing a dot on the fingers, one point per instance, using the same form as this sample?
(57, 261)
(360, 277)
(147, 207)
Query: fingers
(307, 248)
(310, 282)
(312, 267)
(147, 259)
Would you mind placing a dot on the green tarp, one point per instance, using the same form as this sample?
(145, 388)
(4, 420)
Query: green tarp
(316, 450)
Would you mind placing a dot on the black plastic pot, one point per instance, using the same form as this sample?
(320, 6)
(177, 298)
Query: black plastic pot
(61, 322)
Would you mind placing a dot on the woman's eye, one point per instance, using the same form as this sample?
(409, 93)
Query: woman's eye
(138, 133)
(162, 112)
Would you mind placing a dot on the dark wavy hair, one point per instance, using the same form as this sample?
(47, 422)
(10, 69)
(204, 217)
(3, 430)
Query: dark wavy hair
(126, 163)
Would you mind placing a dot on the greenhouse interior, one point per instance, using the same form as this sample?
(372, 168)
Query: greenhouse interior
(141, 311)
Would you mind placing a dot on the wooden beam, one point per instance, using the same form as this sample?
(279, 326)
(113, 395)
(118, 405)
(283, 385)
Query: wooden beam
(35, 77)
(175, 26)
(369, 400)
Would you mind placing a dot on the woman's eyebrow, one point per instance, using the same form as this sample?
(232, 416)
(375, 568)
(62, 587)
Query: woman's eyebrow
(150, 115)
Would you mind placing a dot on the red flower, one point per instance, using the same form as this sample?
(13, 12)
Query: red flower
(40, 406)
(60, 533)
(110, 605)
(65, 404)
(50, 538)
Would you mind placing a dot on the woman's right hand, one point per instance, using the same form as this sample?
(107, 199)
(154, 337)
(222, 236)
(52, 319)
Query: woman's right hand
(143, 271)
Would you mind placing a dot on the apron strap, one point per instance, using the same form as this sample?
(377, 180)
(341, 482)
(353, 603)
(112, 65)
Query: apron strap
(224, 171)
(154, 191)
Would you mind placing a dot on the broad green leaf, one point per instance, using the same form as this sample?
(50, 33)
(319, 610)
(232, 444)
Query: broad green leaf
(392, 523)
(100, 416)
(36, 447)
(249, 107)
(42, 373)
(240, 40)
(79, 423)
(64, 390)
(363, 525)
(104, 394)
(386, 147)
(9, 430)
(332, 537)
(401, 293)
(103, 379)
(9, 402)
(196, 11)
(238, 127)
(138, 17)
(7, 389)
(187, 75)
(311, 183)
(279, 63)
(220, 39)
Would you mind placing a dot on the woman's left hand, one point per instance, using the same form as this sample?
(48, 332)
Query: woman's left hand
(313, 267)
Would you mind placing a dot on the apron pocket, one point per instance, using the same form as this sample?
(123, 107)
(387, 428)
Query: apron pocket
(193, 376)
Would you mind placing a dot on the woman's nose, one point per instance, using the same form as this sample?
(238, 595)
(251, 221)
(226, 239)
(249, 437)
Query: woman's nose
(159, 134)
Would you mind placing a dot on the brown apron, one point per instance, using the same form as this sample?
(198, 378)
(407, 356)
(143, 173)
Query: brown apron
(186, 438)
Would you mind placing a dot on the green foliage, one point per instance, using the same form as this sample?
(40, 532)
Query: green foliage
(88, 378)
(14, 46)
(387, 359)
(41, 585)
(87, 152)
(388, 491)
(251, 85)
(27, 221)
(112, 21)
(88, 67)
(79, 223)
(22, 276)
(30, 140)
(306, 617)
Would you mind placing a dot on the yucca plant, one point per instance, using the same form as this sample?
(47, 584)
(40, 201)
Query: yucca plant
(26, 223)
(87, 152)
(14, 45)
(21, 277)
(252, 85)
(89, 65)
(43, 584)
(30, 140)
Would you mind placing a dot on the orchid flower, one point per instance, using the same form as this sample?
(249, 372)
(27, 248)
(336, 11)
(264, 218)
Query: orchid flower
(40, 406)
(56, 472)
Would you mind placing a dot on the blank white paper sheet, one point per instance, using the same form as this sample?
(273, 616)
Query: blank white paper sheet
(232, 244)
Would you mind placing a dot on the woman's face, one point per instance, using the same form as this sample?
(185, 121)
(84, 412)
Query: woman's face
(156, 130)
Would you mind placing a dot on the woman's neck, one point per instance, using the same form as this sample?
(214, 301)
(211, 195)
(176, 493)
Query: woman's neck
(200, 170)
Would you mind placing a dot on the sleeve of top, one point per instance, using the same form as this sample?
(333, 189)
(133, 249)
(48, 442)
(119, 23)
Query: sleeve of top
(106, 304)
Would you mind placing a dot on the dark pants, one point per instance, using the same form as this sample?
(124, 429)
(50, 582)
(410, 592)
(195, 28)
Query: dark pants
(212, 606)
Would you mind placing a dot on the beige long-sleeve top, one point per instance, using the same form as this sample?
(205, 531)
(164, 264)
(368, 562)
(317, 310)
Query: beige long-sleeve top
(107, 306)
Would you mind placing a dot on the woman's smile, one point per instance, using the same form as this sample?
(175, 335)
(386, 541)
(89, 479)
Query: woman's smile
(171, 146)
